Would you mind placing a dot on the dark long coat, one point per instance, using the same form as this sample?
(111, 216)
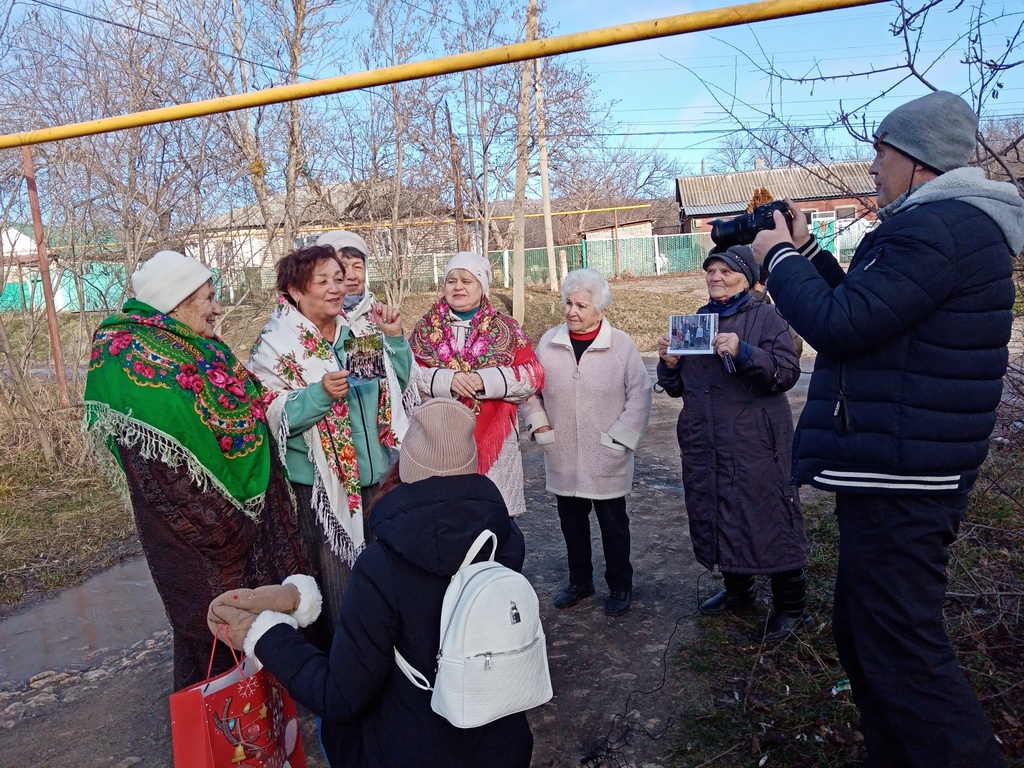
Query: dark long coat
(735, 437)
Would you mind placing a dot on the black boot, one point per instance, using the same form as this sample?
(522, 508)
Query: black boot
(737, 597)
(789, 608)
(573, 593)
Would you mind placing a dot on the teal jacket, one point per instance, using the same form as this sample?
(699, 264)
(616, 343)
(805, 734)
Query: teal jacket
(305, 407)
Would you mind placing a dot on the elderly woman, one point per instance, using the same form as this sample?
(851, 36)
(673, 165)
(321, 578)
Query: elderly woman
(589, 417)
(735, 434)
(372, 715)
(467, 350)
(170, 404)
(334, 422)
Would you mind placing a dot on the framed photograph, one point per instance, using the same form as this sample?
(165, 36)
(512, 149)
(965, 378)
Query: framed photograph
(691, 334)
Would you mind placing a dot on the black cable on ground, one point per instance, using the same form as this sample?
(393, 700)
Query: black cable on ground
(607, 751)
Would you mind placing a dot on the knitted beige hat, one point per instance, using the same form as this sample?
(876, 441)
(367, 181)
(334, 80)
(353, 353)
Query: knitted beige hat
(167, 279)
(439, 442)
(342, 238)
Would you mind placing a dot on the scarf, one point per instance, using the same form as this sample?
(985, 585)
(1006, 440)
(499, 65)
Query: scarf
(158, 387)
(289, 355)
(719, 306)
(494, 340)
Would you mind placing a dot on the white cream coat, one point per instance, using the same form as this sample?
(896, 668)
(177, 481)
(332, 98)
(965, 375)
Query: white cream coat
(597, 410)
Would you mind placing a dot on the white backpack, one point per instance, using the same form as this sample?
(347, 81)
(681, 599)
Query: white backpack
(492, 659)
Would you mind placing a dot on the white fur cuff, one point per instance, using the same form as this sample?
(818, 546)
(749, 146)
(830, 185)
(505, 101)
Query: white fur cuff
(310, 599)
(259, 627)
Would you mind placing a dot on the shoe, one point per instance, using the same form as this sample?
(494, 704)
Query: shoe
(727, 602)
(779, 626)
(572, 594)
(618, 602)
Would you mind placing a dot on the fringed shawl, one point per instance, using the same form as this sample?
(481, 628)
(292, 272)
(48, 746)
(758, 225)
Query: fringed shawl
(157, 387)
(494, 340)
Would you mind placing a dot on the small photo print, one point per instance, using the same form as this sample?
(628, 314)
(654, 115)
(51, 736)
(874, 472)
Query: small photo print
(691, 334)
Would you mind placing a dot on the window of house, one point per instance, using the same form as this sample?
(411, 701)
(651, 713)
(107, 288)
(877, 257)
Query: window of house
(808, 214)
(846, 211)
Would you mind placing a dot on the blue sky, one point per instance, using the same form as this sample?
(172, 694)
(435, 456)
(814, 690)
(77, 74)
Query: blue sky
(662, 85)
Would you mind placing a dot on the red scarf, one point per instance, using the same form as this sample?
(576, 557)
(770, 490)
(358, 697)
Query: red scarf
(493, 340)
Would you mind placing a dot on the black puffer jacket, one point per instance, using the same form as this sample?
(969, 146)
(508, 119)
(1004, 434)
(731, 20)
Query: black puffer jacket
(373, 716)
(911, 348)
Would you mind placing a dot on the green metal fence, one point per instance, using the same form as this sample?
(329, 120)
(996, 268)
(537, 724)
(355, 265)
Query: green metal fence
(98, 286)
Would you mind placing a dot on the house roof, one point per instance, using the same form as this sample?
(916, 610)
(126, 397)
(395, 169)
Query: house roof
(329, 205)
(722, 193)
(312, 205)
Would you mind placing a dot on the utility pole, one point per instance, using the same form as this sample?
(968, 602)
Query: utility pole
(478, 205)
(542, 147)
(460, 226)
(519, 205)
(44, 275)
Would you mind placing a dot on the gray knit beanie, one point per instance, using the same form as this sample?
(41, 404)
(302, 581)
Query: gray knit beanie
(439, 442)
(937, 130)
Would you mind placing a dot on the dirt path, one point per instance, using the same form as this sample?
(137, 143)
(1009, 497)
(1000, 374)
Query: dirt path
(612, 677)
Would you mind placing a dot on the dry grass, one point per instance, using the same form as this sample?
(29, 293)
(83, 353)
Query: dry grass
(58, 525)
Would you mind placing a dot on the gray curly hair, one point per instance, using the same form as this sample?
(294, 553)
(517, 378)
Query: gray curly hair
(588, 281)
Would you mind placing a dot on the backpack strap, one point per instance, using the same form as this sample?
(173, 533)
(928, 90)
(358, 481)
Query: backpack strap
(415, 676)
(477, 546)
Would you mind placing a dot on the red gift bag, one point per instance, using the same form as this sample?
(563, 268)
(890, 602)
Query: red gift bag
(242, 717)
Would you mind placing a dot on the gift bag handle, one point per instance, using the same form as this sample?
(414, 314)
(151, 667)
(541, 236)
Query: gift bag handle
(213, 650)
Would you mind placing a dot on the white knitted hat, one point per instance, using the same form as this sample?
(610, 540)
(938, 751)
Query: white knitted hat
(168, 278)
(475, 264)
(342, 238)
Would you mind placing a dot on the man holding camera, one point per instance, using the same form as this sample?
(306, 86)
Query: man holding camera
(899, 413)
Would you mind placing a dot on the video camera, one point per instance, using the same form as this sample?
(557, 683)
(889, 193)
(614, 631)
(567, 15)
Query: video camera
(742, 229)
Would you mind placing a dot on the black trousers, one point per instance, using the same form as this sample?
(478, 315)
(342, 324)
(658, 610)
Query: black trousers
(574, 515)
(916, 706)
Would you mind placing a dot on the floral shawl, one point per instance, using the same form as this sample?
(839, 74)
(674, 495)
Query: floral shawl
(494, 340)
(158, 387)
(289, 355)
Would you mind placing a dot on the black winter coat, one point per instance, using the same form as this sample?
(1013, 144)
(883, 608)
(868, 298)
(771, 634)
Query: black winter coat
(911, 345)
(373, 716)
(735, 438)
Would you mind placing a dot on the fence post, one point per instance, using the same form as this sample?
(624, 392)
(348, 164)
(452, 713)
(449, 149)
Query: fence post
(657, 257)
(504, 265)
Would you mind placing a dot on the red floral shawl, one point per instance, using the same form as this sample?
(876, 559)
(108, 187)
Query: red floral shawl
(494, 340)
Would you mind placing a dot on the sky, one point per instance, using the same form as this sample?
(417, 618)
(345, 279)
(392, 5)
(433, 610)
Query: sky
(663, 88)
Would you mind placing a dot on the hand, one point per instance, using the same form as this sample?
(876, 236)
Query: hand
(800, 232)
(670, 360)
(388, 319)
(335, 384)
(467, 385)
(726, 342)
(231, 625)
(237, 608)
(767, 239)
(541, 430)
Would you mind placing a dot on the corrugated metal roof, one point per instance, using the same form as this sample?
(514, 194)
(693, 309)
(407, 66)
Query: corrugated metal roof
(721, 193)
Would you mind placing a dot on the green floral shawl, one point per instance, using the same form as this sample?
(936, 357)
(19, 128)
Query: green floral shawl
(157, 387)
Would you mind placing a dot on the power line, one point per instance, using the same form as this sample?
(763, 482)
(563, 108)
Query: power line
(164, 38)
